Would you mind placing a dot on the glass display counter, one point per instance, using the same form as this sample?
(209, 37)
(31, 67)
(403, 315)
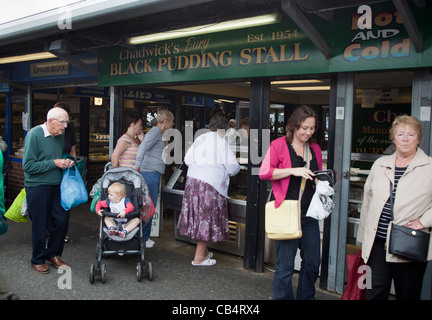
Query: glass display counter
(360, 168)
(99, 147)
(172, 196)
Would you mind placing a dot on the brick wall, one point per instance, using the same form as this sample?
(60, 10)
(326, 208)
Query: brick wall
(15, 181)
(15, 178)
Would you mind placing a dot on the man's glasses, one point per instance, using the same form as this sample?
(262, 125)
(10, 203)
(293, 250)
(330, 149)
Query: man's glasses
(63, 122)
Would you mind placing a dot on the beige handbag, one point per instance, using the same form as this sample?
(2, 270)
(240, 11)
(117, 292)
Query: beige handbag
(284, 222)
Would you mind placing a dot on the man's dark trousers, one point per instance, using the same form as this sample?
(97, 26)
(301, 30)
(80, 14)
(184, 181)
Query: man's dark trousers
(44, 206)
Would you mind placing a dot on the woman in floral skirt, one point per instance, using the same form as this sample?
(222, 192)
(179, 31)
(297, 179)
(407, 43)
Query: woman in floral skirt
(204, 212)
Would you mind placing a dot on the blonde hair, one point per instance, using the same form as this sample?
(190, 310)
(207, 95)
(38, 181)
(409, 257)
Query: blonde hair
(406, 120)
(118, 188)
(163, 115)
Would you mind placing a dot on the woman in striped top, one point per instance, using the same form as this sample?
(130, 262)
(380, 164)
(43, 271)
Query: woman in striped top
(409, 169)
(385, 217)
(125, 152)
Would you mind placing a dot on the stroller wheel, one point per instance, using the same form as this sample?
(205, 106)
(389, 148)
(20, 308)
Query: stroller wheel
(92, 274)
(103, 273)
(149, 271)
(139, 272)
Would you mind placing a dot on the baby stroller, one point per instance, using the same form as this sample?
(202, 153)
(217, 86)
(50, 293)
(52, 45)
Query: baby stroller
(133, 243)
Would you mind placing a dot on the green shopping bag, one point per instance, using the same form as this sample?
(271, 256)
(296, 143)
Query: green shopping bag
(14, 212)
(95, 200)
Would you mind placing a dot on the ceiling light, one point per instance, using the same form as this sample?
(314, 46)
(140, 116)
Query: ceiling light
(27, 57)
(312, 88)
(296, 81)
(208, 28)
(98, 101)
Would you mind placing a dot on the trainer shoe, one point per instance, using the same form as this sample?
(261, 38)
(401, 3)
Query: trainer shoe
(150, 243)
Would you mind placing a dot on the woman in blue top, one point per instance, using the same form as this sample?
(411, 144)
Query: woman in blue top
(150, 163)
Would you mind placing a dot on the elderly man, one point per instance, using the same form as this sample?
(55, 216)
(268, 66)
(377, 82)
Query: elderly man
(43, 167)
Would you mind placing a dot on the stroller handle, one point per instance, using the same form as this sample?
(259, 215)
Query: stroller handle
(108, 213)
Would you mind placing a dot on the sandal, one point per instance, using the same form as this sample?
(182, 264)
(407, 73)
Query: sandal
(122, 234)
(206, 263)
(210, 255)
(112, 231)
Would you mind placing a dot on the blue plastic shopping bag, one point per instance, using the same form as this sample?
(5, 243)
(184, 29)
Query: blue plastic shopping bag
(72, 189)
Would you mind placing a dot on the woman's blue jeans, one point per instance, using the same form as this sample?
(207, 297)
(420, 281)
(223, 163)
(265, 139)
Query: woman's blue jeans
(310, 253)
(153, 182)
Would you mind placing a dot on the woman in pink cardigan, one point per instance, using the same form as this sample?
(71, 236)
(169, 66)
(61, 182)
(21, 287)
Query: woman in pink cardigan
(285, 167)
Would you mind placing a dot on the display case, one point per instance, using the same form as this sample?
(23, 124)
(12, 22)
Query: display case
(98, 147)
(360, 168)
(17, 130)
(99, 134)
(172, 196)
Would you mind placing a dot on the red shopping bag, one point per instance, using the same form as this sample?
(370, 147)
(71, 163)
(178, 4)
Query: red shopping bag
(353, 290)
(148, 208)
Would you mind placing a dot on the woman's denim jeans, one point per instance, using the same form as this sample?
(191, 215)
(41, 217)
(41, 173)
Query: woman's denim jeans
(286, 250)
(153, 182)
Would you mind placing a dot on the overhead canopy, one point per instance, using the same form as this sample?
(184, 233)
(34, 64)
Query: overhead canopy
(296, 10)
(98, 25)
(84, 15)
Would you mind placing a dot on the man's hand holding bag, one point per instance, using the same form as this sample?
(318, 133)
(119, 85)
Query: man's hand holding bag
(72, 189)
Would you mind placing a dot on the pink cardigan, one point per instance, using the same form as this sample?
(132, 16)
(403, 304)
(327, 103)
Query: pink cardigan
(278, 156)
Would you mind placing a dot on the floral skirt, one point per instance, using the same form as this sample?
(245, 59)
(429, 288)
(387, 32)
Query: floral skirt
(204, 212)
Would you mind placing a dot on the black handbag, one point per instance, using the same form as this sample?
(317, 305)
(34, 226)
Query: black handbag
(407, 243)
(326, 175)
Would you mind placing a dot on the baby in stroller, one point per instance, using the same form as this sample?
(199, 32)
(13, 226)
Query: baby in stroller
(126, 198)
(117, 202)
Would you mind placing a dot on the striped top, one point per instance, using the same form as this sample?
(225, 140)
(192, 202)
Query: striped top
(127, 159)
(385, 217)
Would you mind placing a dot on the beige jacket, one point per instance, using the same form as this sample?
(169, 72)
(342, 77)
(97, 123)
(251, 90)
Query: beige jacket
(413, 199)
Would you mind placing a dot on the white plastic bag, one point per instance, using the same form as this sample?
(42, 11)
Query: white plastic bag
(321, 205)
(24, 211)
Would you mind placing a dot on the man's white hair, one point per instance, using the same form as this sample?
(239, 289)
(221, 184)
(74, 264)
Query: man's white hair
(56, 113)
